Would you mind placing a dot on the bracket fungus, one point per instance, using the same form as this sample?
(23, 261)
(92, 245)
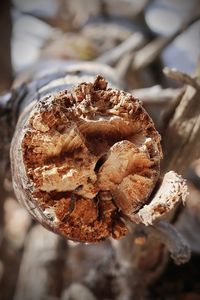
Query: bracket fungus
(86, 160)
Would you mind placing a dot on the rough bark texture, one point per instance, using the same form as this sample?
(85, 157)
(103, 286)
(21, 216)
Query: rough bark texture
(183, 131)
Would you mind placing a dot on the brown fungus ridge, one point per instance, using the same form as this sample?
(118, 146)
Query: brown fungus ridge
(91, 156)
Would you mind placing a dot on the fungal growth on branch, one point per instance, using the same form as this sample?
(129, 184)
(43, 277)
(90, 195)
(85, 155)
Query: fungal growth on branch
(87, 159)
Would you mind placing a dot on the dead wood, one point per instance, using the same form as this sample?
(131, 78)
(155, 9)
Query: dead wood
(46, 86)
(181, 136)
(139, 255)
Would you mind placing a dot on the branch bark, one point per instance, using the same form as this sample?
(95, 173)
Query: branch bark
(181, 141)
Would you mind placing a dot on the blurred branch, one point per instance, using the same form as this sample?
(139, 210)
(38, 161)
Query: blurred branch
(42, 262)
(5, 49)
(157, 101)
(150, 52)
(182, 77)
(176, 244)
(135, 41)
(181, 136)
(156, 95)
(74, 292)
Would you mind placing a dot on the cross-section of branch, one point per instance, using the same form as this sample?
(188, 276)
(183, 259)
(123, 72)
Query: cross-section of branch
(85, 158)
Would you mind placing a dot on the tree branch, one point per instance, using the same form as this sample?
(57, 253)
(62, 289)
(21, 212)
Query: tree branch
(181, 141)
(176, 244)
(181, 77)
(135, 41)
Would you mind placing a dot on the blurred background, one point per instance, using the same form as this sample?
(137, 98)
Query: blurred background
(38, 34)
(85, 30)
